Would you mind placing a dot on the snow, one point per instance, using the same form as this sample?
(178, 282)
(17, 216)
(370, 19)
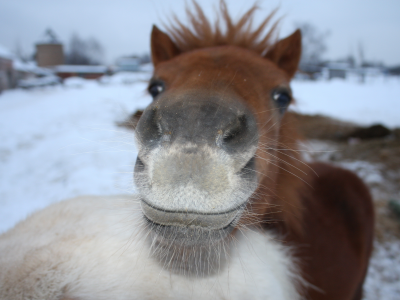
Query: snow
(383, 277)
(39, 81)
(63, 141)
(146, 67)
(59, 142)
(376, 101)
(79, 69)
(5, 53)
(125, 78)
(30, 67)
(76, 82)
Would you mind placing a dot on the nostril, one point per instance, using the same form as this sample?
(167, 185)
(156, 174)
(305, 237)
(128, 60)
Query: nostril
(236, 132)
(139, 166)
(230, 135)
(149, 127)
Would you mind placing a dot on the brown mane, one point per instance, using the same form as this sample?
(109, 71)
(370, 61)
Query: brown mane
(201, 33)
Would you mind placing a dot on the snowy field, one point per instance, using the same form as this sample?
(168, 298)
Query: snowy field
(376, 101)
(60, 142)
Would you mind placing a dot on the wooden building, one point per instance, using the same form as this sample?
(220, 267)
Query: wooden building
(88, 72)
(7, 74)
(48, 55)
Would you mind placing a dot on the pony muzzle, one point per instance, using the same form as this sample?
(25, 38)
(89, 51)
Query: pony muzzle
(191, 220)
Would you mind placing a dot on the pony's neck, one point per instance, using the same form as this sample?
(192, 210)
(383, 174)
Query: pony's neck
(194, 260)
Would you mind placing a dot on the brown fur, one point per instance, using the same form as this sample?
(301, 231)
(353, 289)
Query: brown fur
(324, 212)
(338, 223)
(202, 34)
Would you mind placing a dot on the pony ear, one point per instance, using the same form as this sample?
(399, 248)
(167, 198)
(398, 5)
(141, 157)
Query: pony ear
(286, 53)
(162, 47)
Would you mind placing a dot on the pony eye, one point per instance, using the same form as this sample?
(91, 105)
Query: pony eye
(156, 88)
(282, 100)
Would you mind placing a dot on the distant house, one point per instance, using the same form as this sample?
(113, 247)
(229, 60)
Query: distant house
(88, 72)
(128, 64)
(49, 52)
(17, 73)
(338, 69)
(48, 55)
(309, 71)
(337, 73)
(27, 70)
(7, 75)
(29, 75)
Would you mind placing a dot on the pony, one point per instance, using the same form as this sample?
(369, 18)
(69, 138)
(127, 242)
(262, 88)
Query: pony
(226, 207)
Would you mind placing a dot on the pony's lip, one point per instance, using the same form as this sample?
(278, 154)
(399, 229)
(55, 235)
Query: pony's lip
(189, 219)
(191, 227)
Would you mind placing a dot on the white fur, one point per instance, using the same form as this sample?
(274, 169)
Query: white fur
(206, 181)
(95, 248)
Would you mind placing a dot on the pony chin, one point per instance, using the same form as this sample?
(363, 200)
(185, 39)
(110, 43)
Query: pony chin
(193, 196)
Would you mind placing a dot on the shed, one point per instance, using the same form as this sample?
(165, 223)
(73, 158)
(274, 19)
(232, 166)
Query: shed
(88, 72)
(7, 76)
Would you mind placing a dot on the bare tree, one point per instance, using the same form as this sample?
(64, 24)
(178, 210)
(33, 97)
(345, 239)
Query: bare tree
(84, 52)
(361, 53)
(313, 43)
(95, 50)
(51, 36)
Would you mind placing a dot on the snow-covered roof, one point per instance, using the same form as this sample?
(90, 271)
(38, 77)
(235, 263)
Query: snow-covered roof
(128, 61)
(5, 53)
(21, 66)
(79, 69)
(338, 65)
(30, 67)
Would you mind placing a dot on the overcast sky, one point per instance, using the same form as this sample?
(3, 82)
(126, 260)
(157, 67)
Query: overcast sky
(123, 26)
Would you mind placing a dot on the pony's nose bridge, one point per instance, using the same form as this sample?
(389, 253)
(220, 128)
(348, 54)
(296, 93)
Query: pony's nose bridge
(198, 119)
(225, 126)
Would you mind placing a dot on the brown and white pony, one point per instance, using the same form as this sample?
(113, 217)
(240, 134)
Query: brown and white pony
(226, 208)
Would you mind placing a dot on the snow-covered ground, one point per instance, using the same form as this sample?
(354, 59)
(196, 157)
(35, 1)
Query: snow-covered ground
(376, 101)
(59, 142)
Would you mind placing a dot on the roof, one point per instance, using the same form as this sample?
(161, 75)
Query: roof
(30, 67)
(79, 69)
(128, 61)
(21, 66)
(5, 53)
